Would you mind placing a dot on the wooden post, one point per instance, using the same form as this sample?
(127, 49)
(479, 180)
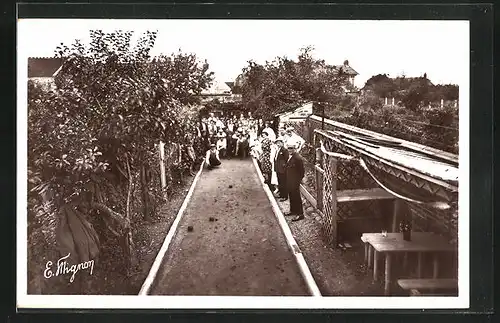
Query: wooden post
(435, 266)
(375, 264)
(322, 117)
(163, 177)
(387, 287)
(333, 168)
(385, 100)
(319, 189)
(395, 214)
(442, 103)
(370, 255)
(420, 264)
(393, 101)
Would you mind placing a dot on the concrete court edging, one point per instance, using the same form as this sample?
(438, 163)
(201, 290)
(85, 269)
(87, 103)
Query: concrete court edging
(148, 282)
(301, 262)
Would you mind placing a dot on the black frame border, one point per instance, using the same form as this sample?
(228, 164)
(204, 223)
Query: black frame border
(481, 116)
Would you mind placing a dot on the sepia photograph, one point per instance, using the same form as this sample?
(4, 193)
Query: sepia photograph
(198, 163)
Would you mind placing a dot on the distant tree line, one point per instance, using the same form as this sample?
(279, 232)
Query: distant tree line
(413, 93)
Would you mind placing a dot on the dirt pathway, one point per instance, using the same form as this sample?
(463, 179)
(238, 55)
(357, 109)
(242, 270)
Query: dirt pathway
(236, 246)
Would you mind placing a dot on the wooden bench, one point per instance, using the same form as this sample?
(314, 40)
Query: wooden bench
(429, 287)
(363, 195)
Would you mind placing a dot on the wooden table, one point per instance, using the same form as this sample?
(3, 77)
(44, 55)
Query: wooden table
(421, 242)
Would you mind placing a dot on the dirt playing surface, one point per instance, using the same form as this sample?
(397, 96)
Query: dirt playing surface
(235, 247)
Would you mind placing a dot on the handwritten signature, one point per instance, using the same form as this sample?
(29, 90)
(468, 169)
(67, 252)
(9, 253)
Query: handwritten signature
(64, 268)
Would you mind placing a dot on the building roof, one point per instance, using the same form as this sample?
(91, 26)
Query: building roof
(217, 88)
(346, 69)
(43, 66)
(230, 84)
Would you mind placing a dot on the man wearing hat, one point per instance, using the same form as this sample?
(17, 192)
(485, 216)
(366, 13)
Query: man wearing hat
(280, 160)
(221, 142)
(294, 173)
(212, 157)
(290, 136)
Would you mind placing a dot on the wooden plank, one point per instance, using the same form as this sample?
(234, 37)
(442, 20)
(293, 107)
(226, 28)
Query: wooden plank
(436, 152)
(363, 195)
(308, 196)
(422, 284)
(408, 246)
(360, 218)
(390, 163)
(421, 242)
(319, 169)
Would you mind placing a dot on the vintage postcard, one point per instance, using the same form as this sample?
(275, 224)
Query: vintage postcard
(242, 164)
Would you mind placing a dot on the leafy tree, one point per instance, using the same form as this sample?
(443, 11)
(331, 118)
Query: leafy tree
(381, 85)
(279, 85)
(96, 132)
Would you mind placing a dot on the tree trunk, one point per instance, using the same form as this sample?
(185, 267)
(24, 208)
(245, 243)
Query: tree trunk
(145, 194)
(122, 221)
(129, 249)
(129, 242)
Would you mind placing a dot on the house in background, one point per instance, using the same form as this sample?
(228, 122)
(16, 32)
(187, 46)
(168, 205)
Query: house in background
(42, 70)
(346, 70)
(220, 91)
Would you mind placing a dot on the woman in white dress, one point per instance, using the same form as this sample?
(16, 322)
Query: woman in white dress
(270, 131)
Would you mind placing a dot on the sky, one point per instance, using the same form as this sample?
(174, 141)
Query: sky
(412, 48)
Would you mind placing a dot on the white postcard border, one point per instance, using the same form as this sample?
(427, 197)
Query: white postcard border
(226, 302)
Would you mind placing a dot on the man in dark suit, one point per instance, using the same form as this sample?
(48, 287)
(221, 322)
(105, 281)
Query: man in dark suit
(294, 173)
(280, 161)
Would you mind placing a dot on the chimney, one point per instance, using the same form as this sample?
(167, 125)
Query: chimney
(346, 63)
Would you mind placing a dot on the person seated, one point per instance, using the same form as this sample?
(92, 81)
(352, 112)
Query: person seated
(212, 157)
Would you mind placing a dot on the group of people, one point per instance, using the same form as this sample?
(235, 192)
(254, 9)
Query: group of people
(277, 154)
(228, 137)
(282, 166)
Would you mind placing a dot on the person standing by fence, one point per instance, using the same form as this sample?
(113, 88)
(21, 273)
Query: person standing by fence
(290, 136)
(294, 173)
(270, 132)
(265, 159)
(280, 161)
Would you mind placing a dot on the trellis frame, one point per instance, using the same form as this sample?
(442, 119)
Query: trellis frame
(331, 198)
